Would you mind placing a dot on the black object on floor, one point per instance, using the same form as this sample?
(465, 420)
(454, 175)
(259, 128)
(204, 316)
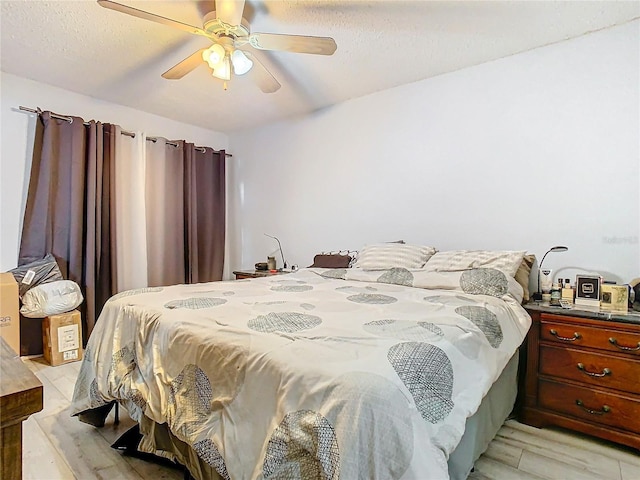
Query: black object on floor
(187, 475)
(128, 443)
(96, 416)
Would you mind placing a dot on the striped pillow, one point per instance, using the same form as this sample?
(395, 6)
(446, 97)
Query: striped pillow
(393, 255)
(456, 260)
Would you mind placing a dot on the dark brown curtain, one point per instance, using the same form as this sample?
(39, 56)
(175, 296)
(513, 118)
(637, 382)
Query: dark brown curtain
(185, 213)
(204, 189)
(164, 212)
(70, 204)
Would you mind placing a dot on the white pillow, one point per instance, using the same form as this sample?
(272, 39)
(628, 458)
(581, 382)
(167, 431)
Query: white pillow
(455, 260)
(393, 255)
(51, 299)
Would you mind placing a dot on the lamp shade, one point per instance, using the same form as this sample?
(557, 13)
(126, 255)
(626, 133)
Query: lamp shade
(241, 64)
(558, 248)
(214, 55)
(223, 69)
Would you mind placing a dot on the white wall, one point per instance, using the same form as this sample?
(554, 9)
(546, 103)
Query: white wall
(527, 152)
(18, 128)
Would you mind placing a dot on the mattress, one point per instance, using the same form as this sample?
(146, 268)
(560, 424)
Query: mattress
(317, 374)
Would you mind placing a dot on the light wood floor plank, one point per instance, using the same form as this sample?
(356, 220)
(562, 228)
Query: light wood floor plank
(629, 471)
(624, 454)
(581, 441)
(75, 366)
(35, 363)
(504, 453)
(84, 448)
(496, 470)
(40, 460)
(111, 432)
(54, 373)
(562, 451)
(66, 384)
(553, 469)
(115, 472)
(63, 377)
(475, 475)
(150, 470)
(54, 401)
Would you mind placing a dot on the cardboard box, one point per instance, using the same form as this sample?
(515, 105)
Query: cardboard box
(62, 338)
(9, 316)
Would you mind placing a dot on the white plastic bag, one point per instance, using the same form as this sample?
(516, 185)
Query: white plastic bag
(51, 299)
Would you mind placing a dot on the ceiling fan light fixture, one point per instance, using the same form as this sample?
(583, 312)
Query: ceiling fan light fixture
(241, 64)
(214, 55)
(227, 30)
(223, 69)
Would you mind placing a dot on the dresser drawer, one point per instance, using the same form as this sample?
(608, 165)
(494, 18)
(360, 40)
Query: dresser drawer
(589, 336)
(582, 366)
(620, 411)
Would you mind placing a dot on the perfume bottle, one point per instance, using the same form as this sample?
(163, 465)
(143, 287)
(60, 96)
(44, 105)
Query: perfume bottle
(556, 295)
(568, 292)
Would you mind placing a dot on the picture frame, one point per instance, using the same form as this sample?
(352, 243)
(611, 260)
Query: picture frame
(615, 298)
(588, 290)
(588, 287)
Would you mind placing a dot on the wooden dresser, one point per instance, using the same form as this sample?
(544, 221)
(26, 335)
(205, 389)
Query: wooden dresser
(20, 396)
(583, 373)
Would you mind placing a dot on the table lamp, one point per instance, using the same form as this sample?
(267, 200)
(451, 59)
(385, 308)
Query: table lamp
(558, 248)
(284, 262)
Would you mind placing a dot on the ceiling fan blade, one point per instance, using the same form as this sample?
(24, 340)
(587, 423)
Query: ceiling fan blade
(230, 11)
(261, 76)
(293, 43)
(185, 66)
(118, 7)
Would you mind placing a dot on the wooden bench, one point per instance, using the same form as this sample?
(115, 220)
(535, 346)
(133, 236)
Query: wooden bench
(20, 396)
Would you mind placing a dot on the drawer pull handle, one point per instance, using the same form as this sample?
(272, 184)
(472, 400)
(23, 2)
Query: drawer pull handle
(602, 411)
(575, 337)
(604, 373)
(615, 343)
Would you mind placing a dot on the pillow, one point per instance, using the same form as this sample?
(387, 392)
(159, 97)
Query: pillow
(51, 298)
(331, 260)
(354, 254)
(456, 260)
(35, 273)
(523, 273)
(393, 255)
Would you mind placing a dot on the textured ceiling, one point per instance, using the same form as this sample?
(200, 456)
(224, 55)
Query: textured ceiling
(82, 47)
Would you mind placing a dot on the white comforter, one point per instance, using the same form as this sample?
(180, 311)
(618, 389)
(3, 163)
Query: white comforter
(317, 374)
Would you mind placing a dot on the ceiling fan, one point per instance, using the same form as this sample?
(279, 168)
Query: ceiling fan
(231, 36)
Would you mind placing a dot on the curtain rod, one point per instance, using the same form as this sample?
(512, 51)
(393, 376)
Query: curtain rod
(123, 132)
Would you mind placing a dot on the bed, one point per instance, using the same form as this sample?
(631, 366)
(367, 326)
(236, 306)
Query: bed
(323, 373)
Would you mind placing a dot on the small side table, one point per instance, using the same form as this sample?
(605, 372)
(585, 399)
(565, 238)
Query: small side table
(20, 396)
(240, 274)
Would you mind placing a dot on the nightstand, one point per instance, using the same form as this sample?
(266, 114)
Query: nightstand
(240, 274)
(583, 372)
